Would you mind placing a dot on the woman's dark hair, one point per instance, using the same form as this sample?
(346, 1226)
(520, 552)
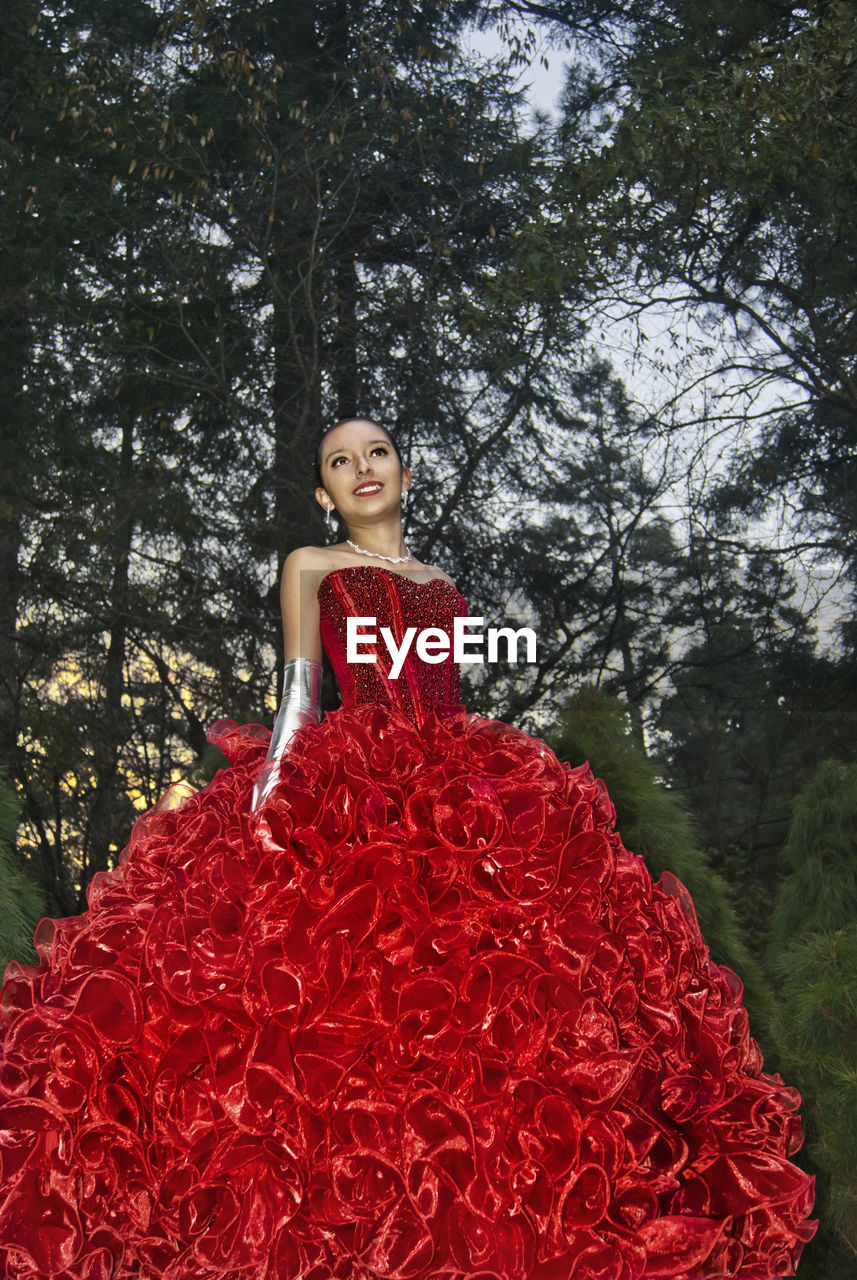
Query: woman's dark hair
(340, 423)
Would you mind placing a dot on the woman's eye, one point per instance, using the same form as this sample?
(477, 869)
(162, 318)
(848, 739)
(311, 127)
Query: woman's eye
(380, 448)
(334, 461)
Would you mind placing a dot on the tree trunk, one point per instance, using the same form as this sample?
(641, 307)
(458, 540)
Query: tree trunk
(345, 363)
(15, 341)
(295, 267)
(105, 811)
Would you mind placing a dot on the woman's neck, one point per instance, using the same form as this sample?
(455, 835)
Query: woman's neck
(377, 541)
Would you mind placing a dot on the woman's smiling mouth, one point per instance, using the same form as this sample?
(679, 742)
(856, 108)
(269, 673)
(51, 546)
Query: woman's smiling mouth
(365, 490)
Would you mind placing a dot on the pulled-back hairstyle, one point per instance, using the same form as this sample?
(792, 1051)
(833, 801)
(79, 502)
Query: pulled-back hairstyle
(356, 418)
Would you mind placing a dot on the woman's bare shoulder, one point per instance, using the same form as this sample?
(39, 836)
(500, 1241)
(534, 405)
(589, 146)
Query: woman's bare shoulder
(303, 570)
(308, 559)
(437, 572)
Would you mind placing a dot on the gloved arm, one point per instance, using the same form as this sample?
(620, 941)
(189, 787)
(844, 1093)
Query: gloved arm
(300, 705)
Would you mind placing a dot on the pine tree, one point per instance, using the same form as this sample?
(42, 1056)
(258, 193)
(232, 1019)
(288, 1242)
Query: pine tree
(813, 959)
(819, 892)
(595, 727)
(747, 713)
(21, 905)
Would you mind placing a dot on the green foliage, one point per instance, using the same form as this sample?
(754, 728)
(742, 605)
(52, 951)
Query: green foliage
(751, 710)
(812, 957)
(711, 172)
(819, 893)
(260, 220)
(817, 980)
(720, 156)
(21, 905)
(652, 823)
(594, 561)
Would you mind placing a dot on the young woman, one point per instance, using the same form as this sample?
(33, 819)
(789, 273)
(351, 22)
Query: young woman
(393, 1002)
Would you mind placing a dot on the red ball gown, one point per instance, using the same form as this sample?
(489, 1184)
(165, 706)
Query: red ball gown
(421, 1016)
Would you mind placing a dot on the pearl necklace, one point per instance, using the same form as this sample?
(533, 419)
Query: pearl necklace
(377, 554)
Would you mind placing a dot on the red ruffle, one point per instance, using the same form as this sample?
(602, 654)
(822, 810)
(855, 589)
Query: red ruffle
(423, 1017)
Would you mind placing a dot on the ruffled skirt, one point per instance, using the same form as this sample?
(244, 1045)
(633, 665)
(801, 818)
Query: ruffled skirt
(424, 1016)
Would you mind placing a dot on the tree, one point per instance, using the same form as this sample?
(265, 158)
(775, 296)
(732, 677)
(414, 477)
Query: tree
(585, 551)
(750, 710)
(102, 496)
(21, 906)
(710, 170)
(273, 219)
(653, 824)
(808, 459)
(710, 153)
(819, 892)
(813, 957)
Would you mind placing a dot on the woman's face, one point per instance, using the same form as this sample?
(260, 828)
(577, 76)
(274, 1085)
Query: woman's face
(361, 473)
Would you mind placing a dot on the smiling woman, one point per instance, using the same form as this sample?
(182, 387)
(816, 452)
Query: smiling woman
(380, 454)
(395, 1002)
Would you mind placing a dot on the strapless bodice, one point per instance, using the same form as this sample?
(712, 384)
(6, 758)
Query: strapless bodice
(398, 603)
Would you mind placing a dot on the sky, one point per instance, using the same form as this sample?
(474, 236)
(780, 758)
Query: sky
(544, 83)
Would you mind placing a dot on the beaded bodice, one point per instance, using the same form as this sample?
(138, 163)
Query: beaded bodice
(396, 602)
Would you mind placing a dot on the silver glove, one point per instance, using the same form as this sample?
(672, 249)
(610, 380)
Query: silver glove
(300, 705)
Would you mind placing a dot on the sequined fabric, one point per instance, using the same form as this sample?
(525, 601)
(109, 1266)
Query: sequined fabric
(397, 602)
(422, 1018)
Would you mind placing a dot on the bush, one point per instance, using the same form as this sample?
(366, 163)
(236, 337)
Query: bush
(21, 905)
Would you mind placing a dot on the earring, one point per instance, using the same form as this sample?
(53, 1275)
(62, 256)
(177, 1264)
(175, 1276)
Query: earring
(404, 497)
(327, 511)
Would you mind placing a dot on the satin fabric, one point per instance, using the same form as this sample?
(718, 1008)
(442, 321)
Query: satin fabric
(423, 1016)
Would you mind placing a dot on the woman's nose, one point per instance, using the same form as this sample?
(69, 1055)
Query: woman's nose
(363, 464)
